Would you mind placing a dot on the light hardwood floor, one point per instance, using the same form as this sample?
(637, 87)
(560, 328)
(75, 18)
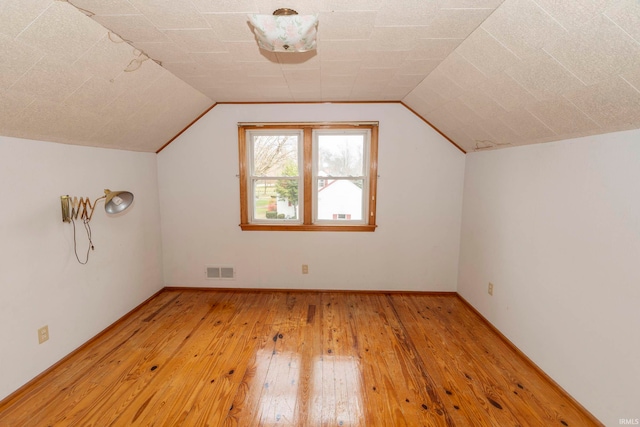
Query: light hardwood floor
(250, 358)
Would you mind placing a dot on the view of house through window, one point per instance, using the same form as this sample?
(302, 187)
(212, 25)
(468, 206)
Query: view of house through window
(308, 177)
(340, 175)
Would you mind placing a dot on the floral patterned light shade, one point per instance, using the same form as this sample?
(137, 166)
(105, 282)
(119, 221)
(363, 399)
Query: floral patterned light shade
(285, 33)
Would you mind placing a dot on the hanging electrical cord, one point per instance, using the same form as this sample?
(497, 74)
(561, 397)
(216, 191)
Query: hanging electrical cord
(87, 228)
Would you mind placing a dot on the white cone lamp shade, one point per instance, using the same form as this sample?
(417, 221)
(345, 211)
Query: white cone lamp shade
(285, 33)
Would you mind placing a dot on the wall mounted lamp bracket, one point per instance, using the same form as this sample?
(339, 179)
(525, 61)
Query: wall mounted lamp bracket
(74, 208)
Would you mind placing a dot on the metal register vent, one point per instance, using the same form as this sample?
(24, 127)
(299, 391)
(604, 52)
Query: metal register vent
(220, 273)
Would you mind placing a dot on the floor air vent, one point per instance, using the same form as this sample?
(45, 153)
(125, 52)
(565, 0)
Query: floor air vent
(221, 273)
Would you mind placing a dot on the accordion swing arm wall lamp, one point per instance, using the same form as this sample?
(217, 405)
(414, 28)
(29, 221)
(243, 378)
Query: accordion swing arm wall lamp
(74, 208)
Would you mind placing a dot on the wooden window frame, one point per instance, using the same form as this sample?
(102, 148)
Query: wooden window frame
(307, 172)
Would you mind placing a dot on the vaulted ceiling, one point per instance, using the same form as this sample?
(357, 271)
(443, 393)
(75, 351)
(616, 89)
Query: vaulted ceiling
(131, 74)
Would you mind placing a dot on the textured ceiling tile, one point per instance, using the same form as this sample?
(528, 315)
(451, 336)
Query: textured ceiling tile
(220, 94)
(342, 81)
(406, 12)
(406, 80)
(501, 134)
(462, 111)
(423, 66)
(346, 25)
(375, 75)
(214, 79)
(384, 59)
(353, 5)
(522, 26)
(95, 94)
(304, 76)
(441, 84)
(393, 93)
(198, 40)
(486, 53)
(450, 126)
(16, 15)
(135, 28)
(469, 4)
(434, 48)
(461, 71)
(106, 7)
(51, 121)
(135, 83)
(170, 14)
(456, 23)
(526, 124)
(261, 81)
(626, 14)
(482, 131)
(479, 135)
(225, 6)
(365, 94)
(260, 68)
(51, 80)
(424, 101)
(231, 27)
(303, 60)
(249, 52)
(214, 59)
(597, 51)
(12, 105)
(113, 134)
(394, 38)
(282, 91)
(611, 103)
(482, 104)
(164, 52)
(544, 77)
(186, 69)
(507, 92)
(562, 116)
(339, 50)
(572, 14)
(337, 68)
(17, 59)
(109, 57)
(62, 31)
(633, 78)
(336, 94)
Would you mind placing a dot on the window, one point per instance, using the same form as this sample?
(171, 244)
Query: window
(314, 177)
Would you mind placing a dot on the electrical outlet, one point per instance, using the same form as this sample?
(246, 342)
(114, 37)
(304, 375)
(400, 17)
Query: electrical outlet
(490, 290)
(43, 334)
(305, 269)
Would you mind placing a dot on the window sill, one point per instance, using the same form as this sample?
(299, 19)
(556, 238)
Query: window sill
(302, 227)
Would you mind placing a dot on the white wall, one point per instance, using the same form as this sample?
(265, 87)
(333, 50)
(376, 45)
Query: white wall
(41, 283)
(556, 228)
(419, 205)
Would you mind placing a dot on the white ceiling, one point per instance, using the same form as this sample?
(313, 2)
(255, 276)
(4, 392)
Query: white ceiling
(131, 74)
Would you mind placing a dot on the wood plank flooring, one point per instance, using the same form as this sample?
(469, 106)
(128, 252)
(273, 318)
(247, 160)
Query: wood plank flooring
(258, 358)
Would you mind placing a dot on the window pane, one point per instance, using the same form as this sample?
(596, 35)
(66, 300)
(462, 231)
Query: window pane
(340, 155)
(340, 199)
(275, 155)
(275, 199)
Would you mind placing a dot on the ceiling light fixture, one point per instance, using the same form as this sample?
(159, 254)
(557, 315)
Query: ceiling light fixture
(285, 31)
(72, 208)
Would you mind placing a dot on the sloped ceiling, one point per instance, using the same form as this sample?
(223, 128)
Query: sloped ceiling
(131, 74)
